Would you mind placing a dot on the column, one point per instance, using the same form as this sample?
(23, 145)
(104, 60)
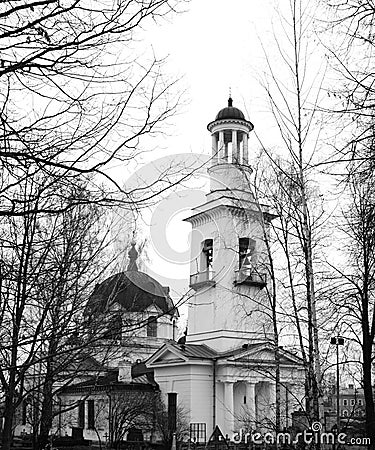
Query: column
(272, 400)
(214, 149)
(221, 145)
(250, 402)
(229, 408)
(285, 406)
(235, 152)
(245, 156)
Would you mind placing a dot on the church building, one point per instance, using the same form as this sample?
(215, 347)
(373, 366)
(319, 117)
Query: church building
(224, 371)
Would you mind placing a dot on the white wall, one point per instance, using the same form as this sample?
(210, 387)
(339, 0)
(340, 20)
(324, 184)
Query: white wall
(238, 310)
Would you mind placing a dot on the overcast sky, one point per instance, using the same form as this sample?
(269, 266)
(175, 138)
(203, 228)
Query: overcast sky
(215, 45)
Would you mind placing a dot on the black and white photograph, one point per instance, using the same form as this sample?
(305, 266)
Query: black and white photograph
(187, 225)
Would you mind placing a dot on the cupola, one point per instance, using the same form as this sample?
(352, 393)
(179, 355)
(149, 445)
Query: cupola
(230, 131)
(230, 170)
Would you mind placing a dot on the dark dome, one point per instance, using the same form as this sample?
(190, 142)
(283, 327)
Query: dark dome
(230, 112)
(134, 291)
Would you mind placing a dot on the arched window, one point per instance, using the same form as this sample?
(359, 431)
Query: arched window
(152, 326)
(246, 247)
(207, 254)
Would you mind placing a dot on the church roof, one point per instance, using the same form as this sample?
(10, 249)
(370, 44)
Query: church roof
(262, 352)
(197, 351)
(230, 112)
(134, 291)
(110, 382)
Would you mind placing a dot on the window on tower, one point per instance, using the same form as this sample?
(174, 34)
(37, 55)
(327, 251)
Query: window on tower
(205, 276)
(208, 253)
(246, 252)
(249, 271)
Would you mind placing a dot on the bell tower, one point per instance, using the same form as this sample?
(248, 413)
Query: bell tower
(229, 264)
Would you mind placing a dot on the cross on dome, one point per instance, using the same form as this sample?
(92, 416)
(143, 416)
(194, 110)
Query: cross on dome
(133, 255)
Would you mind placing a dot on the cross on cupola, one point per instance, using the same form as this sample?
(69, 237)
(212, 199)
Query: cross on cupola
(133, 255)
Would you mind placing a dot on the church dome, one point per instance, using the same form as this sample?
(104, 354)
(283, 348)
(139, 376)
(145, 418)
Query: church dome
(134, 291)
(230, 112)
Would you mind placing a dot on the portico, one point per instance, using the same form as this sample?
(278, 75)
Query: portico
(234, 391)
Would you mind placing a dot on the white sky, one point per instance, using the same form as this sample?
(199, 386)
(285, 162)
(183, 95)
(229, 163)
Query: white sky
(215, 45)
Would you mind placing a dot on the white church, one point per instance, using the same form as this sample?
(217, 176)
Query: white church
(224, 371)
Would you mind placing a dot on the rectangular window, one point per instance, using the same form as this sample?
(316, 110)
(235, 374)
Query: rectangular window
(208, 254)
(198, 433)
(81, 414)
(152, 326)
(352, 402)
(360, 402)
(246, 250)
(172, 411)
(345, 402)
(90, 415)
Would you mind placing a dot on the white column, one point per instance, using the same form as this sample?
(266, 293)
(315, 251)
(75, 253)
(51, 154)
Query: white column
(250, 401)
(214, 149)
(229, 408)
(221, 145)
(245, 156)
(272, 401)
(235, 152)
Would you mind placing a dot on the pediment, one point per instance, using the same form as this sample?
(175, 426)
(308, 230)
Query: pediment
(265, 353)
(166, 355)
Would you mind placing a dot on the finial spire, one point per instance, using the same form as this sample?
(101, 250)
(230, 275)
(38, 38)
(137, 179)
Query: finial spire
(230, 100)
(133, 255)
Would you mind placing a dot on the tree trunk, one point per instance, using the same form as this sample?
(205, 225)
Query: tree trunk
(46, 413)
(46, 417)
(367, 388)
(8, 419)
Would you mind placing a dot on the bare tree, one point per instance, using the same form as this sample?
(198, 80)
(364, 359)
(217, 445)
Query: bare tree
(48, 266)
(76, 99)
(163, 424)
(351, 55)
(294, 108)
(130, 409)
(346, 32)
(354, 284)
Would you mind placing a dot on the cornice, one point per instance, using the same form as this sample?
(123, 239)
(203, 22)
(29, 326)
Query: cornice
(243, 122)
(221, 211)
